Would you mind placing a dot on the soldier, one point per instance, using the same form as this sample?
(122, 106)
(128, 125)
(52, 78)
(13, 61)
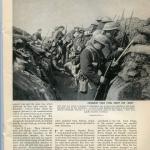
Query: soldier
(99, 19)
(73, 67)
(101, 22)
(58, 34)
(37, 38)
(111, 51)
(89, 33)
(76, 32)
(56, 59)
(91, 63)
(132, 81)
(111, 31)
(93, 26)
(79, 42)
(46, 69)
(57, 43)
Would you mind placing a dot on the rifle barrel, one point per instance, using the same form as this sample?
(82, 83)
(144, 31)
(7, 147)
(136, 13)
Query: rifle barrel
(125, 50)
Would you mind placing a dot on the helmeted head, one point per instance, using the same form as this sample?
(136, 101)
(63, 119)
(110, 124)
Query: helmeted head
(81, 31)
(111, 29)
(94, 26)
(76, 29)
(147, 22)
(61, 28)
(106, 19)
(111, 26)
(99, 19)
(18, 43)
(100, 41)
(39, 30)
(94, 23)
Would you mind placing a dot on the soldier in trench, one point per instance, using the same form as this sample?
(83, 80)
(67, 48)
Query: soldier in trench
(91, 74)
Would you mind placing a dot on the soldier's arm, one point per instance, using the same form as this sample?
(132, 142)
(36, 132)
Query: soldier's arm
(113, 55)
(54, 62)
(87, 68)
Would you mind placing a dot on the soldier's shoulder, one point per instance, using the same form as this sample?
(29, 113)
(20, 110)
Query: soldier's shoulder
(85, 52)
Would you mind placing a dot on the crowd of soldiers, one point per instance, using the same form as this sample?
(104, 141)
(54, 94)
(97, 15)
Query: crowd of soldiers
(88, 55)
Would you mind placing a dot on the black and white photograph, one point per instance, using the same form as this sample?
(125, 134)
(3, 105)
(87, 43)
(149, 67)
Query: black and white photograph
(81, 50)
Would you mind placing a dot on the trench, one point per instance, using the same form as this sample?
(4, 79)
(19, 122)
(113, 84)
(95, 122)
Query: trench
(65, 86)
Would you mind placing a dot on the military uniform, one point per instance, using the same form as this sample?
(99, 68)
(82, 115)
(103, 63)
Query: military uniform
(79, 44)
(58, 43)
(91, 61)
(57, 36)
(37, 37)
(113, 44)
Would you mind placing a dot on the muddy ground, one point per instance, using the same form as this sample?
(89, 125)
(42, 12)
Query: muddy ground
(65, 86)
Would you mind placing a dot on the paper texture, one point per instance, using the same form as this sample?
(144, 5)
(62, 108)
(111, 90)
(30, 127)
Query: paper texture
(54, 113)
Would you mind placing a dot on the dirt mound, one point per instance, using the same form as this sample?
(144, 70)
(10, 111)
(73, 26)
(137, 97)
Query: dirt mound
(132, 25)
(19, 31)
(30, 87)
(135, 90)
(132, 81)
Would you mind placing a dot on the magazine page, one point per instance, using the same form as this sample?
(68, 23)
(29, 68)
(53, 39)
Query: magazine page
(76, 74)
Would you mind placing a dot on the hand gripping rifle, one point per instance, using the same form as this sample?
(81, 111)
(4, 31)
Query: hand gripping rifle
(124, 52)
(101, 86)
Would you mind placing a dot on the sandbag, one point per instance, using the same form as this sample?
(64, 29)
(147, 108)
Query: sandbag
(24, 38)
(139, 48)
(135, 90)
(132, 82)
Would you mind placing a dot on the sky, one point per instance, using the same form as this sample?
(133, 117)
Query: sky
(46, 14)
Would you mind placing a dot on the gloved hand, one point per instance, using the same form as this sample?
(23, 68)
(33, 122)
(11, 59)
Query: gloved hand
(114, 63)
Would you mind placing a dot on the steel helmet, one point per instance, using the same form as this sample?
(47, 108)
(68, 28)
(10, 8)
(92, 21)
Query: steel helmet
(101, 39)
(95, 23)
(39, 30)
(147, 22)
(99, 18)
(111, 26)
(106, 19)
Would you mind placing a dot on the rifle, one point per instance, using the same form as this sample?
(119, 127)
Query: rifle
(44, 38)
(124, 33)
(101, 86)
(114, 17)
(130, 21)
(126, 28)
(122, 16)
(124, 52)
